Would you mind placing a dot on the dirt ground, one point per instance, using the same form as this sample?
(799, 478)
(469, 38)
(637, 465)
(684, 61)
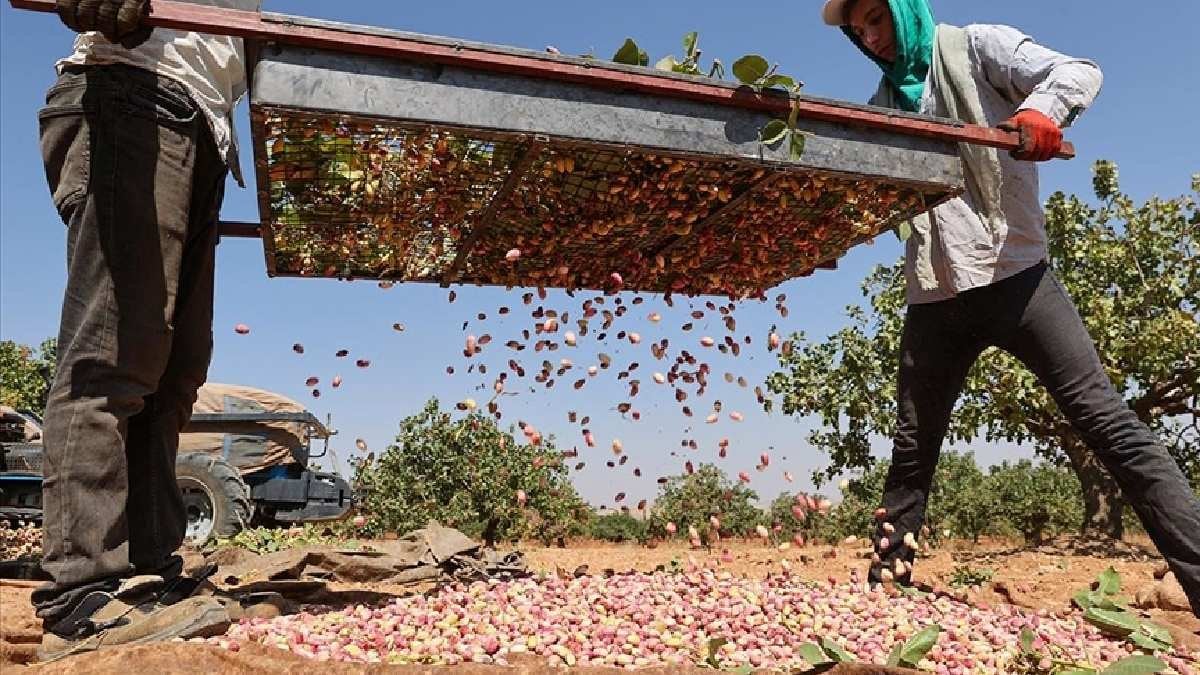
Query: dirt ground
(1037, 579)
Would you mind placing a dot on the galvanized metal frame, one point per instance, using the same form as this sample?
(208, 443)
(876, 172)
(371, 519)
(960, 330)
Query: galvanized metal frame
(453, 96)
(263, 191)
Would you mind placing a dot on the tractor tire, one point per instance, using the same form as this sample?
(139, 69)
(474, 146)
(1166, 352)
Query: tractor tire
(215, 497)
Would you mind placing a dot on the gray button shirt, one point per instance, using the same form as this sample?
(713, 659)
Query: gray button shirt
(1012, 73)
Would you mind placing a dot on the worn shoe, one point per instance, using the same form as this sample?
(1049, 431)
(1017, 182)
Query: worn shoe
(134, 614)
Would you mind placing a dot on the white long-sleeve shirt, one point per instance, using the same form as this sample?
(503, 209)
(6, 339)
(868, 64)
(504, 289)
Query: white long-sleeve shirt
(1012, 73)
(211, 67)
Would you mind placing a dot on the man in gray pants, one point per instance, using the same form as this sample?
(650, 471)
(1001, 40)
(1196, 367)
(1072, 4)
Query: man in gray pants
(136, 138)
(977, 275)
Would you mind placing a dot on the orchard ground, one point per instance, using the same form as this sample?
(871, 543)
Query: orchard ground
(1037, 579)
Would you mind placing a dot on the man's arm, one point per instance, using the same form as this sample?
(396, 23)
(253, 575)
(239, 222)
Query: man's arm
(1034, 77)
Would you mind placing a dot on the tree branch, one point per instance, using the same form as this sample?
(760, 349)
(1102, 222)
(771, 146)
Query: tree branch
(1169, 397)
(1128, 244)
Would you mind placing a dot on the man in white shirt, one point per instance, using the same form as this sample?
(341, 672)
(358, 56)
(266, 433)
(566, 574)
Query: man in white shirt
(977, 272)
(136, 139)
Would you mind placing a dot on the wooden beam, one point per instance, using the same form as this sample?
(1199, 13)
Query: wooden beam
(229, 228)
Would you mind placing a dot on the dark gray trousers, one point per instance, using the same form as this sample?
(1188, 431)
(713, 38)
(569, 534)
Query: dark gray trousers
(1030, 316)
(138, 181)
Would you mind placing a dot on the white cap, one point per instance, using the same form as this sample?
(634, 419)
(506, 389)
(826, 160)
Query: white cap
(834, 12)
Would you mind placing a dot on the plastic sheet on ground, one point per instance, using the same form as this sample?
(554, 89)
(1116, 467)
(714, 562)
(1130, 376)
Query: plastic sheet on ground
(434, 553)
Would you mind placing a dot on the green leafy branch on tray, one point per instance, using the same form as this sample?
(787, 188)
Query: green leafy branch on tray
(752, 70)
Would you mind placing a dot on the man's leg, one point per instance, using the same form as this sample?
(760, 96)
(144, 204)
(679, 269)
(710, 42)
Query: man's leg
(156, 515)
(1053, 342)
(119, 156)
(937, 350)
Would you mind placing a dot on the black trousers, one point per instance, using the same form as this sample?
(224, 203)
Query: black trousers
(1030, 316)
(138, 181)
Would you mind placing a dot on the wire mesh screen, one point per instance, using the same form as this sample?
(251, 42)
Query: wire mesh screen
(581, 213)
(365, 198)
(791, 225)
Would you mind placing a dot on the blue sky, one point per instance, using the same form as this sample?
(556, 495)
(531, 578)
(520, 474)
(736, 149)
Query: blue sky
(1145, 120)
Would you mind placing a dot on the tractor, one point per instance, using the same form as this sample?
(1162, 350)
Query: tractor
(244, 459)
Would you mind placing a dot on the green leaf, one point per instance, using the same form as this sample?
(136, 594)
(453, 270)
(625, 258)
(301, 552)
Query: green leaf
(772, 132)
(1112, 622)
(688, 68)
(1105, 602)
(1083, 599)
(835, 652)
(689, 44)
(750, 68)
(1138, 664)
(1110, 581)
(785, 81)
(667, 63)
(796, 145)
(1027, 638)
(629, 53)
(813, 654)
(1158, 632)
(1076, 671)
(893, 659)
(1147, 643)
(919, 645)
(744, 669)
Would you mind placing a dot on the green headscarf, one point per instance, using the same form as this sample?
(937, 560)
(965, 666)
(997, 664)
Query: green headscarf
(914, 50)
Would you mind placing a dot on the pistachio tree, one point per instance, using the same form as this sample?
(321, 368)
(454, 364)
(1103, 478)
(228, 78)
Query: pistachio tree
(468, 473)
(26, 373)
(692, 499)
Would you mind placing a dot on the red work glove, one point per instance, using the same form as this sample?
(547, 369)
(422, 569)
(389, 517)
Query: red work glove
(1041, 139)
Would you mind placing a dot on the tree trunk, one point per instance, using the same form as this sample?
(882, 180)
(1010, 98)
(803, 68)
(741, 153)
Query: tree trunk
(1103, 505)
(491, 532)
